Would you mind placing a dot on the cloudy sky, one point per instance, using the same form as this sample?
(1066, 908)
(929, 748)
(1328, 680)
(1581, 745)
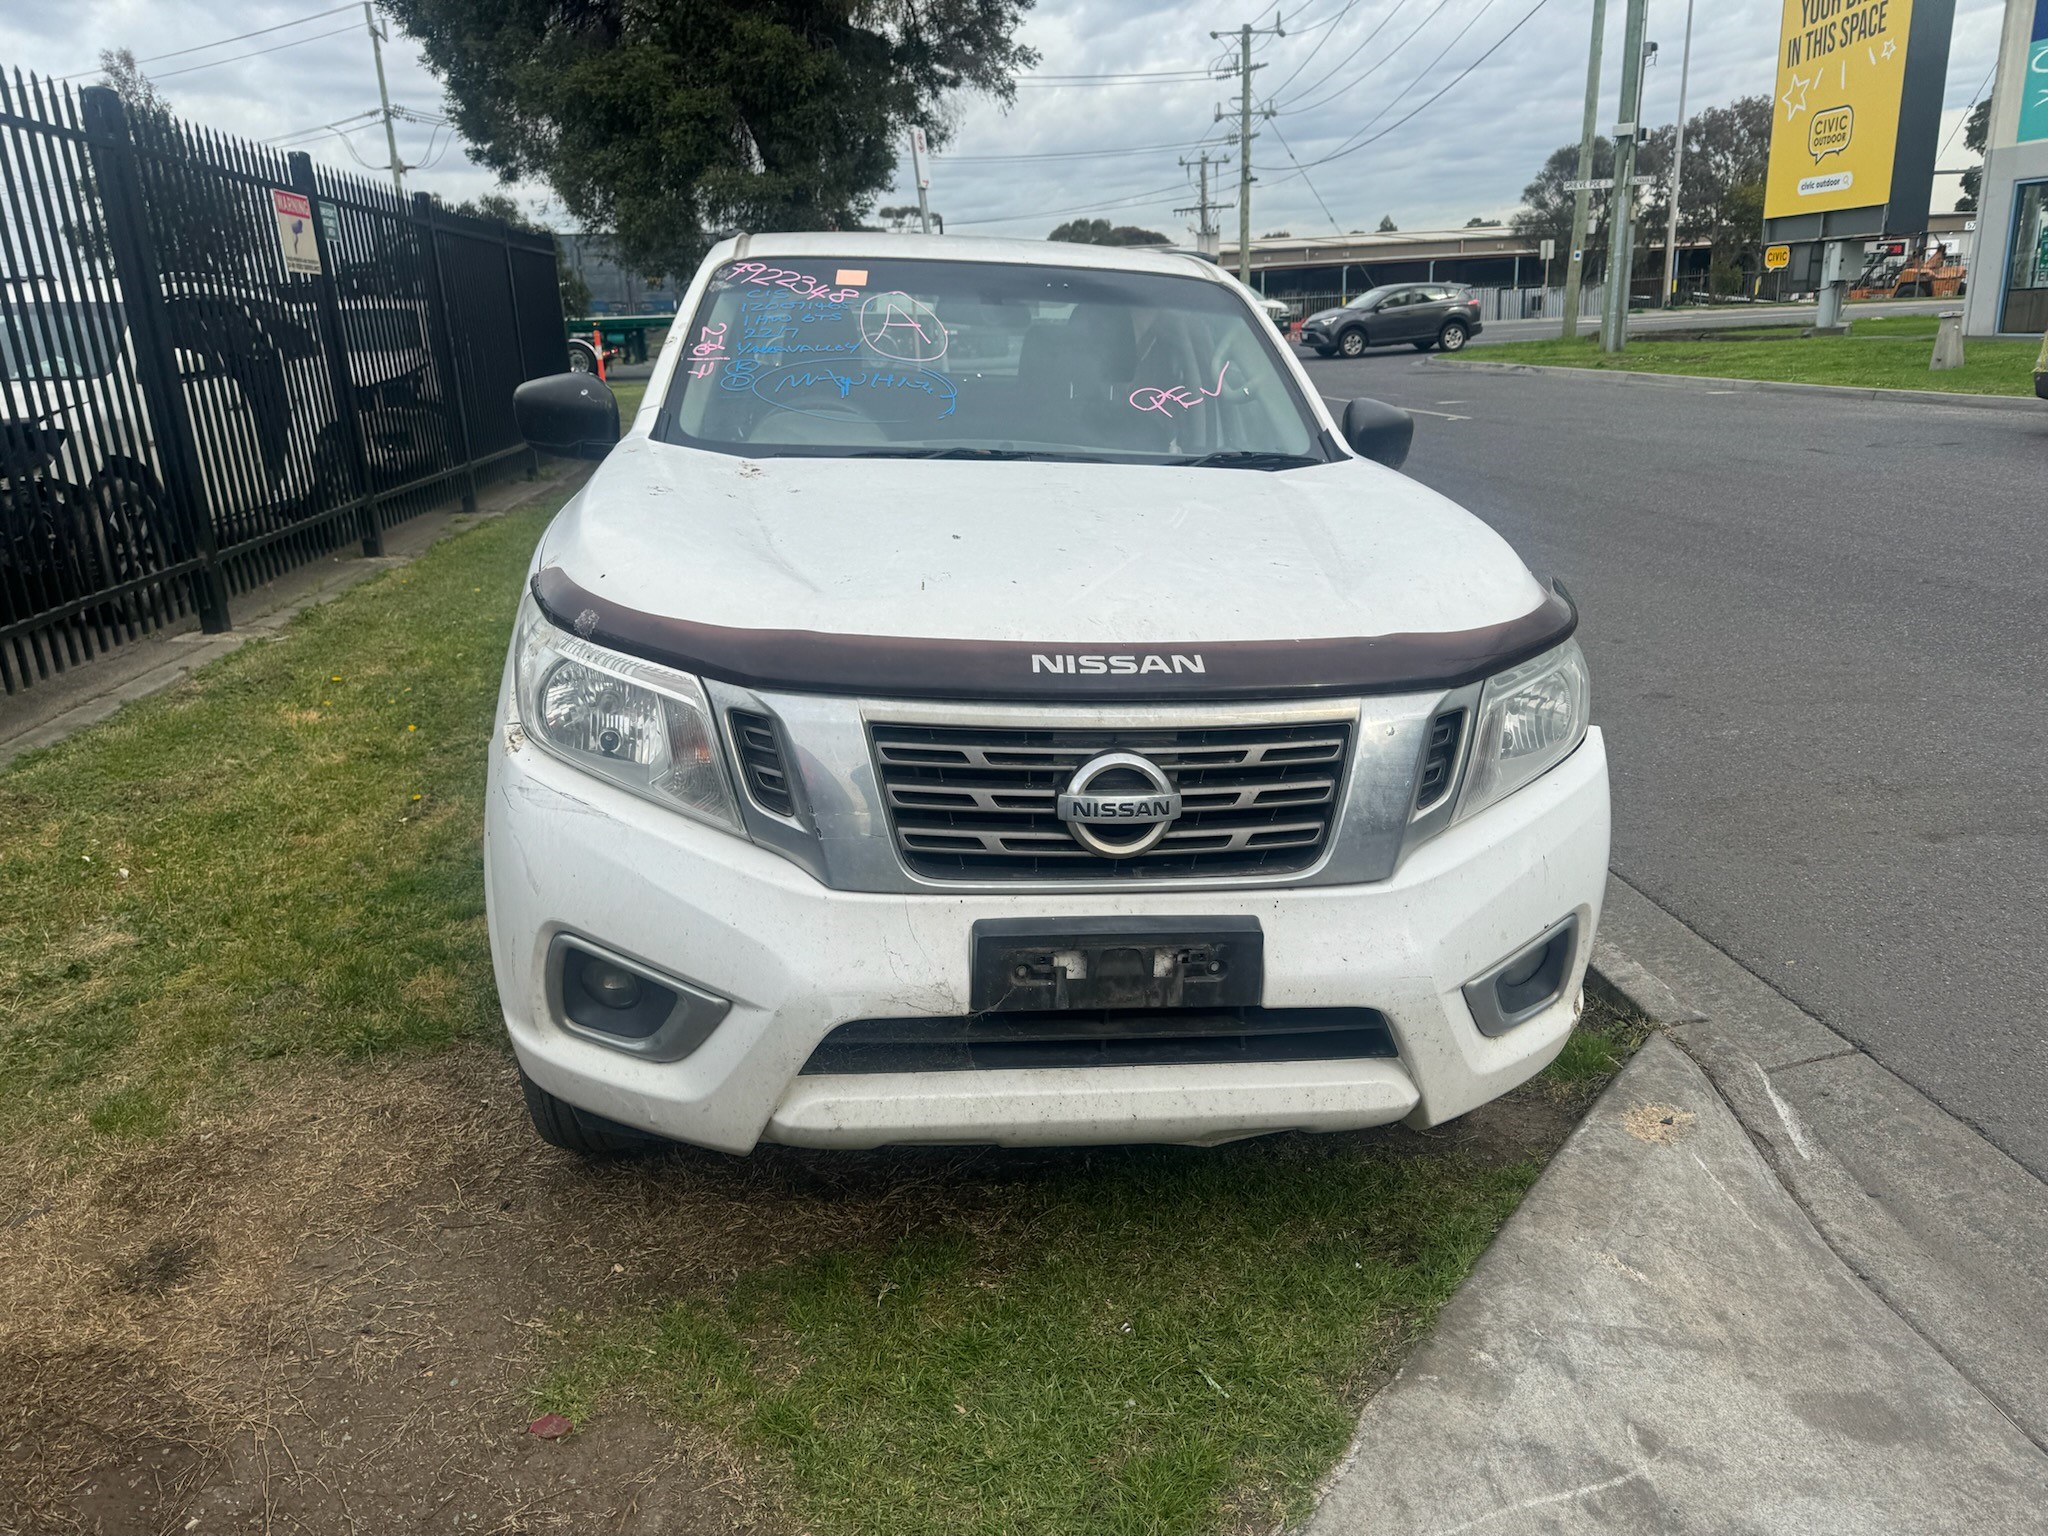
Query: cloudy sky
(1093, 146)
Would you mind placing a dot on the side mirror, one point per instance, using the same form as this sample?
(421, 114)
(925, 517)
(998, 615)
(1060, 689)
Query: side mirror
(573, 414)
(1379, 432)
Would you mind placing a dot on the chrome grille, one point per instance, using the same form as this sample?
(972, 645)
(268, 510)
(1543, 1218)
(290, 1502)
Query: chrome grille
(973, 803)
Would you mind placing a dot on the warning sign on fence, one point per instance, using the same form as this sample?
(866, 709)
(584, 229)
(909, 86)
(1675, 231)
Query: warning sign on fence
(295, 231)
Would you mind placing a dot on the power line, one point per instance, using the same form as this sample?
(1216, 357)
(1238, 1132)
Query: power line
(256, 53)
(1975, 97)
(221, 42)
(1075, 85)
(1123, 74)
(303, 133)
(1348, 148)
(1072, 154)
(1128, 200)
(1371, 69)
(1303, 32)
(1422, 74)
(1289, 148)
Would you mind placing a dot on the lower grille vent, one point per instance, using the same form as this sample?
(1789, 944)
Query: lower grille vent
(1127, 1037)
(978, 803)
(760, 750)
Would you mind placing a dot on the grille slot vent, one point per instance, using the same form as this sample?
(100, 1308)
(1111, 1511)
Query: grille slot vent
(977, 803)
(760, 750)
(1440, 758)
(1131, 1037)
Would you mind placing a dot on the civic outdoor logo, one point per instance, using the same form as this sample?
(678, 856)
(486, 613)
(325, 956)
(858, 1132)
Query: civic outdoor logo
(1119, 789)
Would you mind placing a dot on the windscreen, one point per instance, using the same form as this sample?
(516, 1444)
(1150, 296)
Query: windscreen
(890, 356)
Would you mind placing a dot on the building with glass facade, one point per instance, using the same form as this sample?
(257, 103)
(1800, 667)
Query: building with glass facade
(2009, 278)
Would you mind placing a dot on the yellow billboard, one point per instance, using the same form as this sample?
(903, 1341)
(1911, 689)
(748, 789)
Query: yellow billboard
(1835, 125)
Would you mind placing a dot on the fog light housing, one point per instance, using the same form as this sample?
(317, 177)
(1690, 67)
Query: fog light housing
(626, 1005)
(1527, 982)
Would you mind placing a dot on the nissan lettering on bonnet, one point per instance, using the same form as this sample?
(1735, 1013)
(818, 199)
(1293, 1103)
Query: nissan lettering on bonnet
(1222, 779)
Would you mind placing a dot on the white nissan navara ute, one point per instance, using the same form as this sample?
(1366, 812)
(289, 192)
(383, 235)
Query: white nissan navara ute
(985, 697)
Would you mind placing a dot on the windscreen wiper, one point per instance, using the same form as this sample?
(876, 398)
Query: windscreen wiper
(1247, 458)
(985, 454)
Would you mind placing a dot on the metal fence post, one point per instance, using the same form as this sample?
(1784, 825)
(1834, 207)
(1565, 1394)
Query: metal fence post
(112, 151)
(444, 342)
(512, 294)
(341, 378)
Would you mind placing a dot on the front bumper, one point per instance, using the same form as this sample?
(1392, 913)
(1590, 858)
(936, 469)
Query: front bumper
(566, 853)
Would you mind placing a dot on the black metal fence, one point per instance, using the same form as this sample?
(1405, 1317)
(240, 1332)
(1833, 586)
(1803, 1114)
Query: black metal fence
(218, 361)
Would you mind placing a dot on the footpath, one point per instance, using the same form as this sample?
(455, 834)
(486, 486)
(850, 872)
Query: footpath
(1766, 1287)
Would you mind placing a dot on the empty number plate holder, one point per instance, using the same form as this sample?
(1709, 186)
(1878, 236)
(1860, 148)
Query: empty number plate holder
(1031, 965)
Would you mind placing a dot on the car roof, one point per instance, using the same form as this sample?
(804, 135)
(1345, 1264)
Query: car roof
(1045, 253)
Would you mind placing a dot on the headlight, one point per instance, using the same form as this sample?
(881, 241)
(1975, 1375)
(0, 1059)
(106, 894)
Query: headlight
(644, 727)
(1531, 717)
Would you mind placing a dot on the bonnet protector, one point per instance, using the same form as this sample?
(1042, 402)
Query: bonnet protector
(905, 667)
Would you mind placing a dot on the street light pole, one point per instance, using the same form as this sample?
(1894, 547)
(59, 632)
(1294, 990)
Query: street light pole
(1677, 168)
(1575, 267)
(1621, 207)
(924, 207)
(384, 95)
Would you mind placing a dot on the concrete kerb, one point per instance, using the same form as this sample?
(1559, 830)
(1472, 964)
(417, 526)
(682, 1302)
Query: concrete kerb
(61, 706)
(1699, 382)
(1765, 1286)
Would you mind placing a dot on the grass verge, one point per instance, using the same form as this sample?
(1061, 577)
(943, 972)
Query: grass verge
(1876, 354)
(281, 855)
(1132, 1340)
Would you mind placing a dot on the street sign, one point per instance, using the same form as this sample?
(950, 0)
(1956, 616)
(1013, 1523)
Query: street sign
(1547, 249)
(1777, 257)
(1597, 184)
(330, 221)
(295, 230)
(1643, 181)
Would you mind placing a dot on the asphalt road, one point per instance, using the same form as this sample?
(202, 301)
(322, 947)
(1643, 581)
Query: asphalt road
(1816, 629)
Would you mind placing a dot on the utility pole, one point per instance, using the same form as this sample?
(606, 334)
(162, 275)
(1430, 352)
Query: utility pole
(384, 95)
(1677, 168)
(1245, 66)
(1575, 267)
(924, 210)
(1205, 231)
(1621, 204)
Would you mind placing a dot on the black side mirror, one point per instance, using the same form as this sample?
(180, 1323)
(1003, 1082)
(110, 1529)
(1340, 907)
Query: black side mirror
(572, 414)
(1379, 432)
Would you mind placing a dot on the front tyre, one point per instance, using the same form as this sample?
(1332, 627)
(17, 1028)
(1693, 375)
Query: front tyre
(563, 1125)
(1352, 343)
(1453, 336)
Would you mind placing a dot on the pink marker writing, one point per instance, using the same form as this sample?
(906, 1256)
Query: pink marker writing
(1164, 401)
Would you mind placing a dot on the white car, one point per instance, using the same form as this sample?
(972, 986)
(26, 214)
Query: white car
(986, 698)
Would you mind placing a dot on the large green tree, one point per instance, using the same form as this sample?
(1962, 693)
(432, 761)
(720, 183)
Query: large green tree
(671, 122)
(1102, 232)
(1726, 152)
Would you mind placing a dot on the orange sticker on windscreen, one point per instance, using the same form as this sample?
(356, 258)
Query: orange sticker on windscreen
(852, 277)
